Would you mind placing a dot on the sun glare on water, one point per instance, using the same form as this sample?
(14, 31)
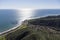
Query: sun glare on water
(26, 13)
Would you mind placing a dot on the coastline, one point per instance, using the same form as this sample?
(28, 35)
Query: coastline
(14, 28)
(9, 30)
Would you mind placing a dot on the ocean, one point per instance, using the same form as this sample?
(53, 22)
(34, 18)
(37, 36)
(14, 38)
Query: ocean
(10, 18)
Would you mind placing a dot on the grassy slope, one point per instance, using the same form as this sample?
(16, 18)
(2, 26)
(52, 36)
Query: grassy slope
(2, 38)
(33, 35)
(28, 32)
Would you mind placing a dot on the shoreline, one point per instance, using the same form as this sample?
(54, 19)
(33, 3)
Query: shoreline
(7, 31)
(12, 29)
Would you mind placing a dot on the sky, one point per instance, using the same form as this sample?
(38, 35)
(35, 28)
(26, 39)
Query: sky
(34, 4)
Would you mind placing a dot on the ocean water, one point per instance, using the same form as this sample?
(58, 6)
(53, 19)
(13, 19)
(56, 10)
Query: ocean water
(10, 18)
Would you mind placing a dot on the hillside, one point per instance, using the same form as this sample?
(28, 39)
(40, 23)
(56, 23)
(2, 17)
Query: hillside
(45, 28)
(50, 21)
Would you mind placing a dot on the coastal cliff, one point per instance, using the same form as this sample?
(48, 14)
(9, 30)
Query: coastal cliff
(45, 28)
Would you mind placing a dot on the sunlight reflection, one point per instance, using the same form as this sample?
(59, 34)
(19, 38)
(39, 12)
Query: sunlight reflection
(26, 13)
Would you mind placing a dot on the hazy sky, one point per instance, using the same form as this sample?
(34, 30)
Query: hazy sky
(40, 4)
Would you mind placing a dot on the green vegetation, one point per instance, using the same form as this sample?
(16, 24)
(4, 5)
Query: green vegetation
(2, 38)
(32, 30)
